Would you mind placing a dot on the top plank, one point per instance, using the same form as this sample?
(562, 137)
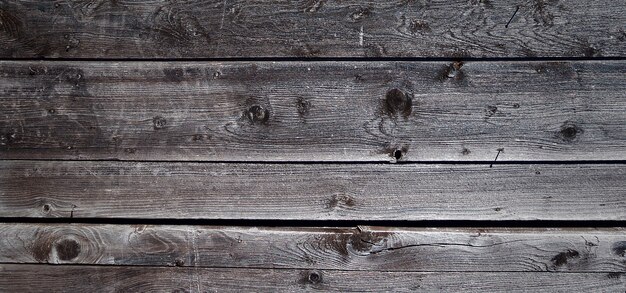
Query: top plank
(311, 28)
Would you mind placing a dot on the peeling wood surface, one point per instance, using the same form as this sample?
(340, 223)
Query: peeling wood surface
(362, 248)
(312, 191)
(317, 111)
(38, 278)
(312, 28)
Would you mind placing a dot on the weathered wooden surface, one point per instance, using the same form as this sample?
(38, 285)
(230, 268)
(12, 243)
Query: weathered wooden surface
(319, 111)
(41, 278)
(84, 189)
(362, 248)
(312, 28)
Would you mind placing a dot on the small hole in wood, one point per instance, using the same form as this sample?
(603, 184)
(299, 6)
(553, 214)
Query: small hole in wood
(315, 277)
(397, 154)
(46, 208)
(179, 262)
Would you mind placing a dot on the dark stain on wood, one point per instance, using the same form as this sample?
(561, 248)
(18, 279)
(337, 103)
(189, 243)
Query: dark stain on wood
(42, 246)
(614, 275)
(619, 248)
(563, 257)
(174, 74)
(398, 103)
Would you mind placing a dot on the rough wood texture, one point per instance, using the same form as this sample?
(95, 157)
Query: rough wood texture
(312, 28)
(362, 248)
(312, 191)
(42, 278)
(319, 111)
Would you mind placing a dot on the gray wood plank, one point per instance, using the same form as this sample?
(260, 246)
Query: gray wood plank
(317, 111)
(42, 278)
(312, 28)
(361, 248)
(85, 189)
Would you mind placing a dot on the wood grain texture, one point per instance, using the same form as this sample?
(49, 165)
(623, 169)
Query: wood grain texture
(317, 111)
(84, 189)
(362, 248)
(42, 278)
(312, 28)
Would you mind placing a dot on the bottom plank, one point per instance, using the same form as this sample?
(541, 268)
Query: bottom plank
(47, 278)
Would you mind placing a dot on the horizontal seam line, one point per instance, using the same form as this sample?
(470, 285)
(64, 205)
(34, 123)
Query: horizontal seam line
(318, 59)
(555, 162)
(289, 223)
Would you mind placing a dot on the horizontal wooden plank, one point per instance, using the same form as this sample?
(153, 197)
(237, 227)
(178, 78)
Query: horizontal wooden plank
(84, 189)
(312, 28)
(318, 111)
(42, 278)
(361, 248)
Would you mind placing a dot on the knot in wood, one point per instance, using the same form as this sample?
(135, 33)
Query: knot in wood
(398, 103)
(315, 277)
(67, 249)
(159, 122)
(257, 114)
(303, 106)
(569, 131)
